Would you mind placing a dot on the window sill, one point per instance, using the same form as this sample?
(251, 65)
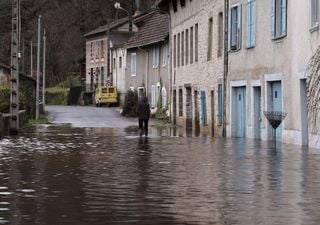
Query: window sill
(279, 38)
(234, 51)
(314, 28)
(155, 67)
(133, 75)
(250, 47)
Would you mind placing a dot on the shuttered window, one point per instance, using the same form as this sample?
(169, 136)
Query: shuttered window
(279, 18)
(235, 28)
(155, 57)
(314, 11)
(133, 64)
(251, 23)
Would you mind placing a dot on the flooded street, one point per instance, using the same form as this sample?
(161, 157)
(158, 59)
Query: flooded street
(58, 175)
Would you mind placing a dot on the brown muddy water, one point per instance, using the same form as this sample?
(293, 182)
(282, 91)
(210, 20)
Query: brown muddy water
(58, 175)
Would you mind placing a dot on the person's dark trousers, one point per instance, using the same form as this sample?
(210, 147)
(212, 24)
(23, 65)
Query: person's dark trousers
(143, 125)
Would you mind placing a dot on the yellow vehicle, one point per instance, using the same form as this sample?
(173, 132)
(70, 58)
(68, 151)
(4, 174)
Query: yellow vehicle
(106, 95)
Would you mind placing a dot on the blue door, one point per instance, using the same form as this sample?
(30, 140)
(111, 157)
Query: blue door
(240, 110)
(203, 108)
(257, 112)
(277, 103)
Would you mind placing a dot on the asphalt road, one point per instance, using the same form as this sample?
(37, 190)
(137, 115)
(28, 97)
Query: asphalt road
(88, 116)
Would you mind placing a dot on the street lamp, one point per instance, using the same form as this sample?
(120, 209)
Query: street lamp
(117, 6)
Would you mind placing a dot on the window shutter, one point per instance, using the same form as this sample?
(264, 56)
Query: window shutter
(239, 26)
(249, 24)
(204, 108)
(253, 16)
(273, 14)
(153, 96)
(220, 100)
(283, 17)
(229, 30)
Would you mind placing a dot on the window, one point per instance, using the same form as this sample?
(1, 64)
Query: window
(180, 103)
(235, 28)
(175, 51)
(196, 43)
(251, 23)
(120, 62)
(191, 45)
(178, 53)
(220, 104)
(187, 46)
(164, 55)
(279, 18)
(153, 96)
(114, 63)
(182, 48)
(183, 3)
(175, 5)
(314, 13)
(220, 34)
(133, 64)
(141, 92)
(155, 56)
(209, 53)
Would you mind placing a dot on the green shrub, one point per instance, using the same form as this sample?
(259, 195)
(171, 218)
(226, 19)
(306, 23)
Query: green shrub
(5, 99)
(130, 104)
(57, 96)
(71, 81)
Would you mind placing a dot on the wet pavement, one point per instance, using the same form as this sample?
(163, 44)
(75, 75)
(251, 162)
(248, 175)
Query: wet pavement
(59, 175)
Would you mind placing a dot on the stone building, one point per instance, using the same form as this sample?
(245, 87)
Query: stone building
(102, 45)
(270, 45)
(196, 39)
(147, 61)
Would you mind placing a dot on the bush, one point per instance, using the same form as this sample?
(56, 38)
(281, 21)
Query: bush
(5, 99)
(130, 104)
(57, 96)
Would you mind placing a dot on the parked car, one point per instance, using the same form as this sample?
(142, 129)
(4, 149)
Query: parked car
(106, 95)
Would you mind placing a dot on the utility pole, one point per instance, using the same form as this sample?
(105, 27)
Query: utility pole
(14, 87)
(226, 64)
(31, 59)
(38, 68)
(44, 71)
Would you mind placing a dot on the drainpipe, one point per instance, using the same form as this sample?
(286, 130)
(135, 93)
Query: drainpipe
(226, 63)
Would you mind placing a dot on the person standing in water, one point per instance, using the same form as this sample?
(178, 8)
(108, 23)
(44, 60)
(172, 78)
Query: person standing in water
(143, 115)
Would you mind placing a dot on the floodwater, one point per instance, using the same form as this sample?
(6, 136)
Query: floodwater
(58, 175)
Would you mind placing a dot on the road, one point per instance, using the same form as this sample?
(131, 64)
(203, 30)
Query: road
(86, 116)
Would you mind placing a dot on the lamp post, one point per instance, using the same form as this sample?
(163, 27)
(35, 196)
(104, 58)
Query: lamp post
(117, 6)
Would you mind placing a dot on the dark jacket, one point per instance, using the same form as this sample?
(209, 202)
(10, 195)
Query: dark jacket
(144, 109)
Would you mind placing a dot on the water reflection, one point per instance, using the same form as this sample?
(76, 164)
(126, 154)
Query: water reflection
(59, 175)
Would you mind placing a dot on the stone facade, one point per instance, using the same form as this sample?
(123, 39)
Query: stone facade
(197, 64)
(281, 61)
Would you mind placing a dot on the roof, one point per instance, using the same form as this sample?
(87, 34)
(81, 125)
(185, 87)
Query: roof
(155, 28)
(114, 24)
(105, 28)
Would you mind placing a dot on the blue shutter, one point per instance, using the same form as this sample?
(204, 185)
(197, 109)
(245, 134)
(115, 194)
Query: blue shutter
(249, 24)
(253, 28)
(283, 17)
(220, 106)
(239, 26)
(203, 108)
(229, 30)
(273, 16)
